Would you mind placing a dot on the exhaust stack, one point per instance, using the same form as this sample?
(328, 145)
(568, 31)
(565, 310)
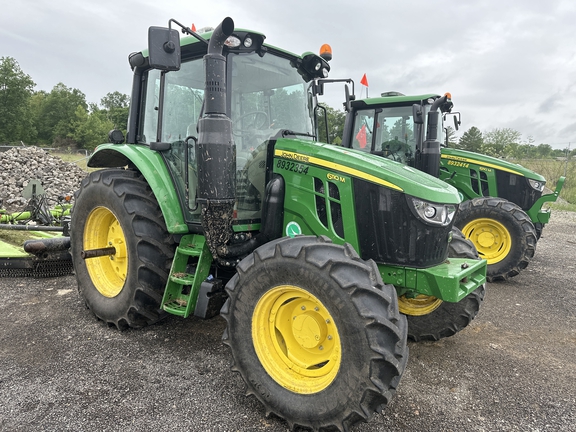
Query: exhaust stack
(216, 152)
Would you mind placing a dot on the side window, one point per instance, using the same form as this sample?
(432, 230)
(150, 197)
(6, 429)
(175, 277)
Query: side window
(149, 119)
(363, 130)
(183, 93)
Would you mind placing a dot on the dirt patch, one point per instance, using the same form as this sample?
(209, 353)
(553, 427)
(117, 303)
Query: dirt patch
(512, 369)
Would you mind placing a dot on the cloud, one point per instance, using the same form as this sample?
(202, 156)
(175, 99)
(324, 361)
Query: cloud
(507, 63)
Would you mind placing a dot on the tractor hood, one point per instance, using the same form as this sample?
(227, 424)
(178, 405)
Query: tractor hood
(372, 168)
(489, 162)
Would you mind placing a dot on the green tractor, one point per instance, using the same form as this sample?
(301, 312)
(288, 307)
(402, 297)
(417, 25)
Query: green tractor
(502, 211)
(221, 201)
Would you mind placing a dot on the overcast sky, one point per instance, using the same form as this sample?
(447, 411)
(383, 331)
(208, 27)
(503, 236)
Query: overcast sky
(507, 63)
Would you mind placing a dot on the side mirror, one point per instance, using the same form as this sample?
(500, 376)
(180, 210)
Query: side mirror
(164, 48)
(417, 114)
(457, 121)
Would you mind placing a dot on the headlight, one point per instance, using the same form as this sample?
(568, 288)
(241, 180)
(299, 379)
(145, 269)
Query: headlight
(538, 185)
(433, 213)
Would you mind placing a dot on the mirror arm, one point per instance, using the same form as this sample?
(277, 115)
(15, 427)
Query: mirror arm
(187, 30)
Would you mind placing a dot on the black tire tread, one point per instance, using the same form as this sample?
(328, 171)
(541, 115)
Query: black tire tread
(149, 269)
(523, 243)
(374, 302)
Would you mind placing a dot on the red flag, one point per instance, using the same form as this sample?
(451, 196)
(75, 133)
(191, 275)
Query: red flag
(364, 81)
(361, 136)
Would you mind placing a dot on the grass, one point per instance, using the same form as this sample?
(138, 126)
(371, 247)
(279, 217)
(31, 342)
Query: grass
(76, 158)
(552, 170)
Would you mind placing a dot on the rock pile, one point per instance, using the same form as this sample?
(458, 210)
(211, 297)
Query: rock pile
(19, 165)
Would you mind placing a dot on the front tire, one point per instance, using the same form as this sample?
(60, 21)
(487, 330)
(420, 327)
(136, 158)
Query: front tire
(502, 233)
(117, 208)
(430, 318)
(314, 333)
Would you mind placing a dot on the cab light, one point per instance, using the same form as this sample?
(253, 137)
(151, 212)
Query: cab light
(232, 42)
(326, 52)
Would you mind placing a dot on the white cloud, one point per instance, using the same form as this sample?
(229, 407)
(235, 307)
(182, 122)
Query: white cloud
(507, 63)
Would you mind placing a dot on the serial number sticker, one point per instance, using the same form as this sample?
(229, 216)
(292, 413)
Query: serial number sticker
(458, 164)
(292, 166)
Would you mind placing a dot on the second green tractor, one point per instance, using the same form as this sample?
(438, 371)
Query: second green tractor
(503, 210)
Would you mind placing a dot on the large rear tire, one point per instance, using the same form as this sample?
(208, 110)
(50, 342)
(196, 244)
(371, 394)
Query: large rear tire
(502, 233)
(117, 208)
(314, 333)
(430, 318)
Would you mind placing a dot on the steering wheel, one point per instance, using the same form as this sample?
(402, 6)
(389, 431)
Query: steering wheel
(396, 150)
(259, 120)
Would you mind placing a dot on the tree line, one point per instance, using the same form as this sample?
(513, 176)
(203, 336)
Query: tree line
(60, 118)
(63, 118)
(505, 143)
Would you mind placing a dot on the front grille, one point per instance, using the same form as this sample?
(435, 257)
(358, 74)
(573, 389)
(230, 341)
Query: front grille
(389, 232)
(516, 189)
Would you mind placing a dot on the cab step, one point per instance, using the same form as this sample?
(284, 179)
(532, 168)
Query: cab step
(190, 267)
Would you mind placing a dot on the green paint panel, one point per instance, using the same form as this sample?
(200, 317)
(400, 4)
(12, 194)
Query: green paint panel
(153, 168)
(352, 163)
(450, 281)
(470, 158)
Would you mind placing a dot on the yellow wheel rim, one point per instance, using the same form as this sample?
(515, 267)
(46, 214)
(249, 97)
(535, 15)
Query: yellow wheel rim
(107, 273)
(491, 238)
(296, 339)
(419, 305)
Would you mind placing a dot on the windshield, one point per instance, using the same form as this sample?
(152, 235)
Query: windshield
(389, 131)
(268, 95)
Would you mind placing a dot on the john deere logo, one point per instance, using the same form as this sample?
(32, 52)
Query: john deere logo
(293, 229)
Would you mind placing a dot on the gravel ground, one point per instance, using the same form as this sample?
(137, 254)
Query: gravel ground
(512, 369)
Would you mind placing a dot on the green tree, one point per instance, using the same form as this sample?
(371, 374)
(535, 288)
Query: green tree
(57, 114)
(116, 105)
(471, 140)
(16, 89)
(90, 129)
(544, 150)
(496, 140)
(336, 120)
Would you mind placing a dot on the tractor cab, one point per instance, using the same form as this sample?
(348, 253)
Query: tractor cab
(394, 126)
(267, 91)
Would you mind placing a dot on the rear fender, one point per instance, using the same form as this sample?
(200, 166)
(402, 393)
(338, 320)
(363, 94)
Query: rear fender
(154, 170)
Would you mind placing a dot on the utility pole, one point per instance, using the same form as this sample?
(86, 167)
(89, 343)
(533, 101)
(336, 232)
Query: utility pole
(567, 156)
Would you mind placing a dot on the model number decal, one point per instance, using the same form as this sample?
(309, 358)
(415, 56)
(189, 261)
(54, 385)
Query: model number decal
(459, 164)
(485, 169)
(292, 166)
(336, 177)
